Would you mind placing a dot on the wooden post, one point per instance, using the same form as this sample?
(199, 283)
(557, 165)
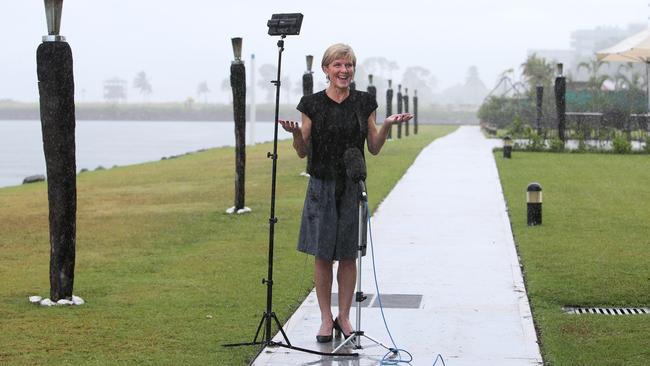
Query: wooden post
(308, 77)
(399, 109)
(415, 111)
(560, 103)
(372, 90)
(406, 110)
(57, 108)
(540, 99)
(238, 84)
(389, 106)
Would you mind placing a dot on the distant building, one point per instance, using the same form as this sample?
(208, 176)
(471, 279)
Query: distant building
(584, 45)
(115, 90)
(586, 42)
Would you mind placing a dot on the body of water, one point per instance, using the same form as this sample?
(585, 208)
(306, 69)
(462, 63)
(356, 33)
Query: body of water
(109, 143)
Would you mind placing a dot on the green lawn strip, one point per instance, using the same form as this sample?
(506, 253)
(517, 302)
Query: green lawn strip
(593, 249)
(167, 275)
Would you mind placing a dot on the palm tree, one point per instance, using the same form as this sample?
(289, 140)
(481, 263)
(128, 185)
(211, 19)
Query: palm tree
(202, 89)
(537, 71)
(628, 78)
(596, 80)
(142, 82)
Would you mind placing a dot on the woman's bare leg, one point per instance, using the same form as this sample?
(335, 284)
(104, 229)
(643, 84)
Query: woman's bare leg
(347, 279)
(323, 281)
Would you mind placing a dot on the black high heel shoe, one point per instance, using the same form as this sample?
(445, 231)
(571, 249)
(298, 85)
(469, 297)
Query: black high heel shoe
(339, 330)
(325, 338)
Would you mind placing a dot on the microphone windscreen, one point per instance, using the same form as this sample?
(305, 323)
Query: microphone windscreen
(355, 166)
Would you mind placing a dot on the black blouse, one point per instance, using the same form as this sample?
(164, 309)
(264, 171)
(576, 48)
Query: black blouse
(335, 128)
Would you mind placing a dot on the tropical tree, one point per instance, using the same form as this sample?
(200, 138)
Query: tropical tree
(203, 89)
(537, 71)
(420, 79)
(141, 82)
(596, 79)
(226, 88)
(627, 77)
(268, 72)
(381, 69)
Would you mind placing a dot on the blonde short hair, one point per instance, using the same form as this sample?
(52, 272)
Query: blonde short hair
(336, 51)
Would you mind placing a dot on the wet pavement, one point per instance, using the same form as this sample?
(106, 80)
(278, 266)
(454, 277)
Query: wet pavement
(447, 268)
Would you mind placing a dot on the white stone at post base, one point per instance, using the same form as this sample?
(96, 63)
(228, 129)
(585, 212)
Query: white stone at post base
(305, 174)
(35, 299)
(76, 300)
(244, 210)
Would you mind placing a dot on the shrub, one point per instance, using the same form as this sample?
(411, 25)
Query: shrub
(516, 127)
(535, 141)
(621, 144)
(556, 144)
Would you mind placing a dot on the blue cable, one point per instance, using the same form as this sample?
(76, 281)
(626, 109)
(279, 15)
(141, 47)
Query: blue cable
(395, 350)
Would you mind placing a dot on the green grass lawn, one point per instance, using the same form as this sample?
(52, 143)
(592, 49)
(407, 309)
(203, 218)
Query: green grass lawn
(168, 276)
(593, 249)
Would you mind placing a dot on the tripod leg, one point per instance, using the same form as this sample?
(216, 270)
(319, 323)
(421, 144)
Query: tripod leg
(376, 342)
(277, 322)
(259, 327)
(349, 339)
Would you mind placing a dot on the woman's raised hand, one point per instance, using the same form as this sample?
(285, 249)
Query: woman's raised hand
(398, 118)
(290, 126)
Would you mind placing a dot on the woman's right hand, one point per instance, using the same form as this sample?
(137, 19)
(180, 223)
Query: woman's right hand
(290, 126)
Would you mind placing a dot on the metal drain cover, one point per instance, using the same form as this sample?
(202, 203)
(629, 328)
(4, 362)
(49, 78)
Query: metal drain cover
(399, 301)
(606, 311)
(388, 301)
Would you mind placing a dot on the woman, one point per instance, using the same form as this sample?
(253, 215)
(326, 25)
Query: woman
(334, 120)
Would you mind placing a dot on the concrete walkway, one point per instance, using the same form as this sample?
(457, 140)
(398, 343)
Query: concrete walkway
(442, 233)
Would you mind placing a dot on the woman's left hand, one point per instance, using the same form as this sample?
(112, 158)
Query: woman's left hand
(398, 118)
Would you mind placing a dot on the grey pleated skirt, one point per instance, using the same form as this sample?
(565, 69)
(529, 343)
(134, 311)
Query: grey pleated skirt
(329, 229)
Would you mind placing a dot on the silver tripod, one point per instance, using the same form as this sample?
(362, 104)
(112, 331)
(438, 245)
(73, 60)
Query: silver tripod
(355, 337)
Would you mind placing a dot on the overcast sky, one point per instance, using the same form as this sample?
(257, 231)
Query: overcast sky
(182, 43)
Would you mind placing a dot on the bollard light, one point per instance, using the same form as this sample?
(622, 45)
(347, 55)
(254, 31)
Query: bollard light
(369, 79)
(53, 10)
(534, 203)
(310, 62)
(560, 69)
(507, 147)
(390, 83)
(236, 49)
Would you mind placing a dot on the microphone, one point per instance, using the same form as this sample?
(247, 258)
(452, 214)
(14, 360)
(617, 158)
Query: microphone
(355, 168)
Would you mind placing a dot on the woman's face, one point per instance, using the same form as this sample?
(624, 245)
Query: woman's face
(340, 72)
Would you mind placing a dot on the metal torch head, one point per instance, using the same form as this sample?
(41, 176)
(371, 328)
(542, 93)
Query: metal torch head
(560, 69)
(53, 10)
(390, 84)
(310, 62)
(369, 79)
(236, 49)
(507, 141)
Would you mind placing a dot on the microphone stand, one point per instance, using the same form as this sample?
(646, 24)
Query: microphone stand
(355, 337)
(269, 317)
